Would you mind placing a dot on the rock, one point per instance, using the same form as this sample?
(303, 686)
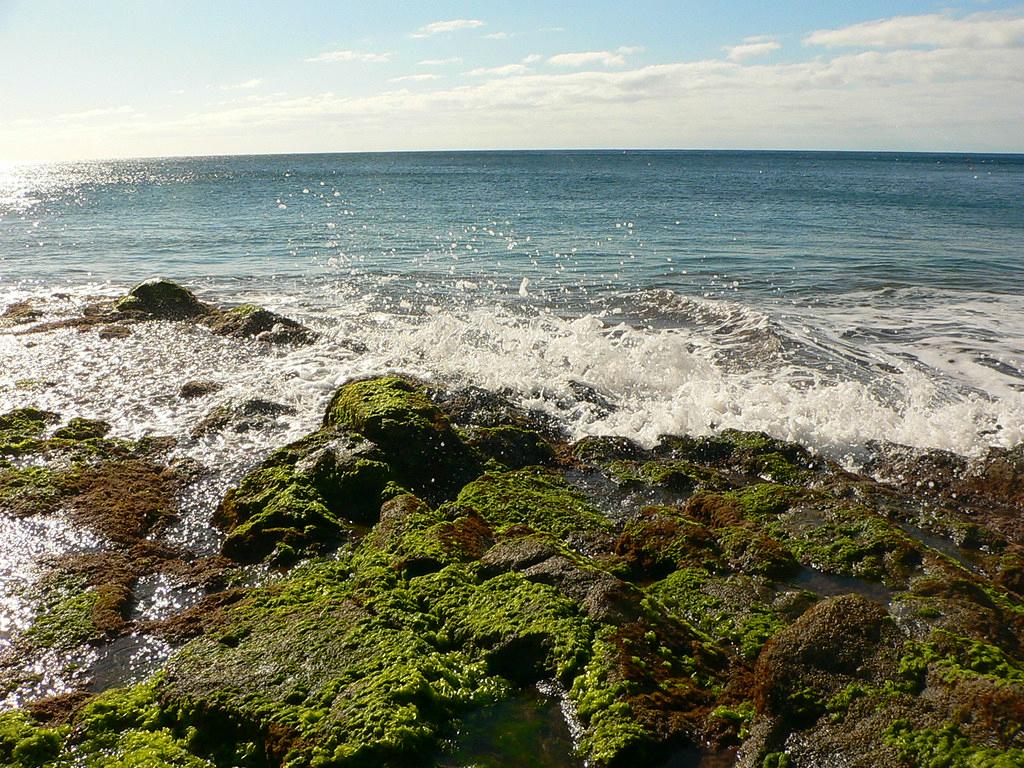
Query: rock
(518, 554)
(193, 389)
(82, 429)
(302, 496)
(254, 413)
(250, 321)
(806, 663)
(163, 300)
(511, 446)
(113, 331)
(426, 453)
(19, 313)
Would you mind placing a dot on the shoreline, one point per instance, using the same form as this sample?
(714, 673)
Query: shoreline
(429, 553)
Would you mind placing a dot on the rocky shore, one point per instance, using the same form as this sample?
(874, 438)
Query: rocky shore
(431, 558)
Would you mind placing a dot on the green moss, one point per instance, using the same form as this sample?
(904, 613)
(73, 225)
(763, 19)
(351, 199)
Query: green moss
(416, 437)
(375, 405)
(348, 668)
(695, 596)
(659, 540)
(777, 468)
(739, 717)
(512, 447)
(25, 744)
(82, 429)
(601, 699)
(244, 310)
(22, 430)
(674, 474)
(31, 490)
(838, 705)
(955, 657)
(531, 630)
(855, 541)
(763, 501)
(419, 539)
(749, 551)
(777, 760)
(64, 618)
(947, 747)
(533, 497)
(303, 495)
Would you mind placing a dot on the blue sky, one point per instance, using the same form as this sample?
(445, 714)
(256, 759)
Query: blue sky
(145, 78)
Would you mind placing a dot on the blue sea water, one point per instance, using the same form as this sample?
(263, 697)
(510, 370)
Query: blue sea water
(832, 298)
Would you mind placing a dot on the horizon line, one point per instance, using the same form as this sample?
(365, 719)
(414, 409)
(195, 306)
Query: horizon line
(519, 150)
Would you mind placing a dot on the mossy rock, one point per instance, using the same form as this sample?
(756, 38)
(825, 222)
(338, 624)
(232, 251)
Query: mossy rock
(304, 495)
(533, 497)
(251, 321)
(511, 446)
(659, 540)
(425, 452)
(78, 429)
(26, 744)
(748, 550)
(163, 300)
(419, 540)
(22, 430)
(735, 612)
(672, 474)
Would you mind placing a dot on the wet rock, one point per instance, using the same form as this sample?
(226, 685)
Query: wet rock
(82, 429)
(251, 414)
(659, 540)
(416, 436)
(161, 300)
(19, 313)
(518, 554)
(193, 389)
(478, 407)
(805, 664)
(420, 540)
(511, 446)
(303, 495)
(603, 450)
(999, 477)
(113, 331)
(250, 321)
(585, 393)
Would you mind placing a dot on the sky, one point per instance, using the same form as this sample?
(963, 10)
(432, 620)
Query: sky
(142, 78)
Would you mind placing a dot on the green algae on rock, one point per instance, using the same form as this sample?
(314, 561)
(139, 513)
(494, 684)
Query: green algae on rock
(453, 567)
(426, 453)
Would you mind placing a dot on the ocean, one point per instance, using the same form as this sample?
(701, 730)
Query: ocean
(828, 298)
(832, 299)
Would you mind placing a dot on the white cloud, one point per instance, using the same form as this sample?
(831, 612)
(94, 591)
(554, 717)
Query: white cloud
(92, 114)
(330, 57)
(533, 58)
(244, 86)
(616, 58)
(504, 71)
(441, 27)
(499, 36)
(414, 78)
(439, 62)
(751, 48)
(979, 30)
